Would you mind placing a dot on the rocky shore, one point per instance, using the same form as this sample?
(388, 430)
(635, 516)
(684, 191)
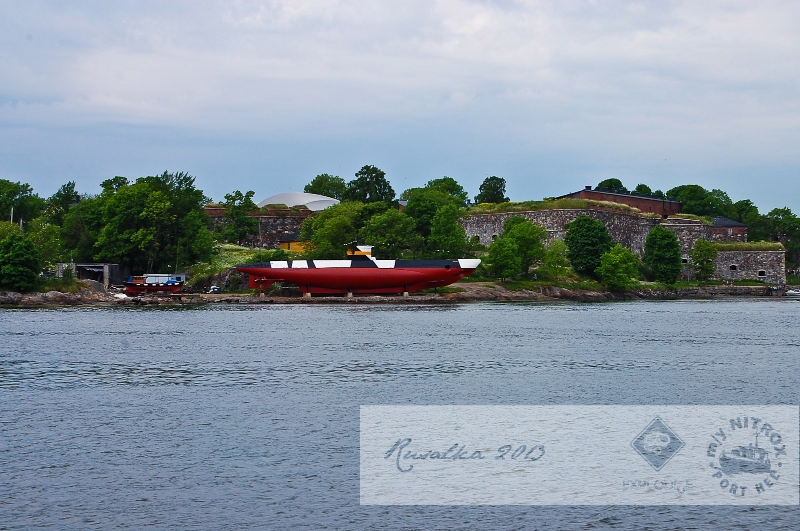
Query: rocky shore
(95, 294)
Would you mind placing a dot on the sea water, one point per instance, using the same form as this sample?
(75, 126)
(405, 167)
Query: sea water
(237, 417)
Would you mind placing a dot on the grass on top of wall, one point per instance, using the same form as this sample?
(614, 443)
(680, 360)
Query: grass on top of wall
(703, 219)
(548, 204)
(748, 246)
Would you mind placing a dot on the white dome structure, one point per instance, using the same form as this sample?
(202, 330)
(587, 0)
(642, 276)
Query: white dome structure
(313, 202)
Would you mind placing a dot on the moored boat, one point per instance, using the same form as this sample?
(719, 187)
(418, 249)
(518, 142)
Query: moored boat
(140, 285)
(360, 274)
(793, 293)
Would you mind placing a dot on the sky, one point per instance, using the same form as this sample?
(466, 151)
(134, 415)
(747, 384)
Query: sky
(264, 95)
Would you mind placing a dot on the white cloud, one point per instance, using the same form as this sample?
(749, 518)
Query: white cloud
(627, 80)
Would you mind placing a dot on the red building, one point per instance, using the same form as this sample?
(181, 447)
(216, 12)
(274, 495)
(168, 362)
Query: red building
(662, 207)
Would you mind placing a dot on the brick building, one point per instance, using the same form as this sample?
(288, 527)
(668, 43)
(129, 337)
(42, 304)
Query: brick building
(649, 205)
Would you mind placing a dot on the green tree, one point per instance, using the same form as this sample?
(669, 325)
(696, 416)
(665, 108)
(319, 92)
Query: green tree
(369, 186)
(701, 259)
(587, 240)
(423, 203)
(19, 197)
(327, 185)
(555, 257)
(46, 238)
(390, 233)
(699, 201)
(158, 233)
(448, 239)
(7, 229)
(238, 223)
(153, 238)
(662, 254)
(642, 190)
(60, 202)
(492, 190)
(611, 185)
(503, 258)
(529, 239)
(81, 229)
(332, 230)
(115, 184)
(783, 226)
(19, 263)
(618, 268)
(449, 186)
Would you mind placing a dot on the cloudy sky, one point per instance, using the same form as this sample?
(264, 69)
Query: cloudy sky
(264, 95)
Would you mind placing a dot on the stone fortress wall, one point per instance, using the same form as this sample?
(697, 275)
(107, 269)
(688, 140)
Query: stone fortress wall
(767, 266)
(630, 230)
(271, 229)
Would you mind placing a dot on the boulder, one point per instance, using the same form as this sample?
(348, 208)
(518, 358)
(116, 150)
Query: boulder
(10, 297)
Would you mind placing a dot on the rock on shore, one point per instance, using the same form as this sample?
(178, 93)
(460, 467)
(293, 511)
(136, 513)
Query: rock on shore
(94, 294)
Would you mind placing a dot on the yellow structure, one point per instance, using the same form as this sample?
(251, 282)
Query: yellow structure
(293, 245)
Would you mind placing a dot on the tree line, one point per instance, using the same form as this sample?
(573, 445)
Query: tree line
(157, 223)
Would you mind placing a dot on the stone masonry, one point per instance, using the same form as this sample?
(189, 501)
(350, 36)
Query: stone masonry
(630, 230)
(271, 229)
(767, 266)
(625, 228)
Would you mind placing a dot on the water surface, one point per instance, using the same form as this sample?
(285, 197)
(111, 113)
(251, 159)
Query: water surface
(236, 417)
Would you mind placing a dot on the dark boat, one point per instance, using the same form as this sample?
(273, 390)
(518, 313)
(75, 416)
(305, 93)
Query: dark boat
(141, 285)
(745, 460)
(360, 274)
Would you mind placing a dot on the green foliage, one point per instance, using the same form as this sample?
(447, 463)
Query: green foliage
(550, 204)
(390, 233)
(783, 226)
(154, 224)
(19, 263)
(697, 200)
(492, 190)
(449, 186)
(369, 186)
(68, 274)
(618, 269)
(21, 198)
(748, 246)
(556, 259)
(7, 229)
(611, 185)
(587, 240)
(60, 202)
(81, 229)
(662, 254)
(701, 259)
(332, 230)
(529, 239)
(46, 238)
(114, 184)
(238, 224)
(642, 190)
(503, 258)
(448, 239)
(422, 206)
(268, 255)
(327, 185)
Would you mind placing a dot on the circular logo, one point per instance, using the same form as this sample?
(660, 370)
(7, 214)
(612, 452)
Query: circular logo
(746, 456)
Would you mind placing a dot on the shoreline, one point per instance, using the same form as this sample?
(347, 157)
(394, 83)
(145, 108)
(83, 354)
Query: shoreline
(471, 292)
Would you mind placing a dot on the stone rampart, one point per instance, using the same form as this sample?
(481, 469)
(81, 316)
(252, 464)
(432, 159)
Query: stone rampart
(271, 229)
(688, 231)
(766, 266)
(628, 229)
